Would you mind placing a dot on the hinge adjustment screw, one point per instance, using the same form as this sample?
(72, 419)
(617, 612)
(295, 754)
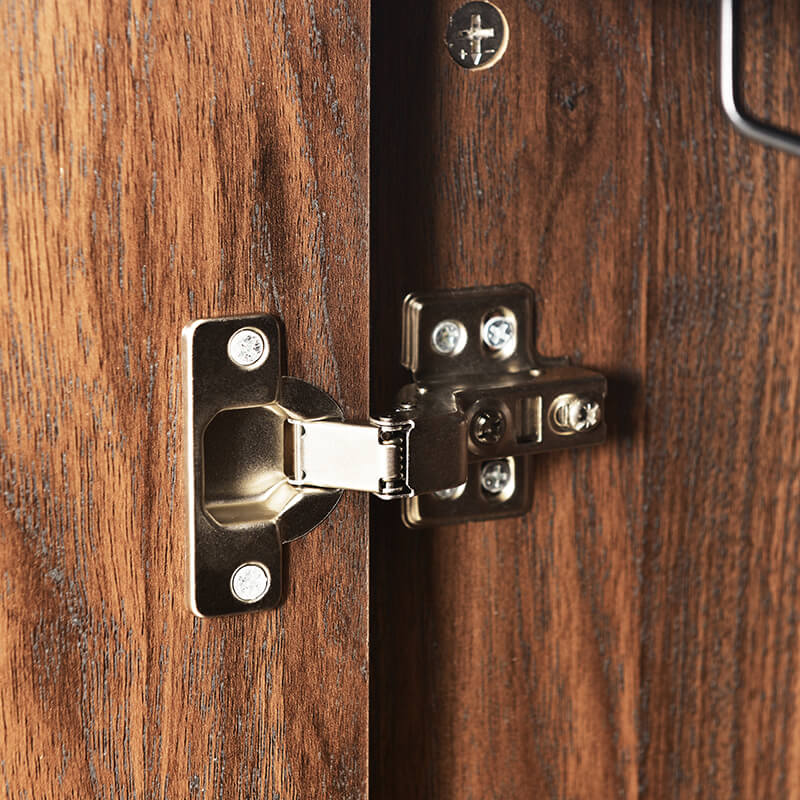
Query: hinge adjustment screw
(571, 414)
(488, 426)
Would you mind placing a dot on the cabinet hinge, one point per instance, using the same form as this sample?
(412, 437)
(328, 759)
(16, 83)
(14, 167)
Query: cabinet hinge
(268, 456)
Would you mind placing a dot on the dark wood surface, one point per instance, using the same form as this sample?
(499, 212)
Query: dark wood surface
(636, 634)
(159, 163)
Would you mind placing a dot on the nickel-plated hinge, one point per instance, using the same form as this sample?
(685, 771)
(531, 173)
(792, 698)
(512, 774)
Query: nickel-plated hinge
(268, 456)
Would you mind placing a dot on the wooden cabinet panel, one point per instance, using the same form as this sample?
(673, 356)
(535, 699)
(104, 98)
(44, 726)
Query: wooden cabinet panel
(160, 163)
(635, 635)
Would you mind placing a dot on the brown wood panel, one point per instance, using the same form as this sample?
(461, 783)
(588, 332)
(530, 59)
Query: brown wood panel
(635, 635)
(158, 163)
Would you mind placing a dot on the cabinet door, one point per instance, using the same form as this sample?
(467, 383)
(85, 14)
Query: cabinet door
(636, 633)
(160, 163)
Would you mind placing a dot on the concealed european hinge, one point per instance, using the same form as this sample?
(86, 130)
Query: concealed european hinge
(268, 456)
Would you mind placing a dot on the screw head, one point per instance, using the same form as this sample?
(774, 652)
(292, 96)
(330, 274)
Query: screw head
(576, 414)
(248, 348)
(250, 582)
(495, 476)
(584, 414)
(499, 333)
(449, 337)
(477, 35)
(488, 426)
(452, 493)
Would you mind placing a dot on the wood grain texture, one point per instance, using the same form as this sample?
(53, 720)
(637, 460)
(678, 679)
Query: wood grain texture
(636, 634)
(159, 163)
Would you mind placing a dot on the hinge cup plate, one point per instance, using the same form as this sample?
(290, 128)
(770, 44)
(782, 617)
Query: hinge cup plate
(242, 506)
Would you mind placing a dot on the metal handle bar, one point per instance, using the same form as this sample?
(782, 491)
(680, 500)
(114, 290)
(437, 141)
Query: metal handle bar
(758, 130)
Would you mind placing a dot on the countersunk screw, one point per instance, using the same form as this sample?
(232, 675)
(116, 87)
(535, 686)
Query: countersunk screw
(488, 426)
(250, 582)
(452, 493)
(576, 414)
(495, 476)
(248, 348)
(499, 333)
(449, 337)
(477, 35)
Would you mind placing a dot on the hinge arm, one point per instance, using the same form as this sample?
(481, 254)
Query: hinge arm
(414, 450)
(343, 455)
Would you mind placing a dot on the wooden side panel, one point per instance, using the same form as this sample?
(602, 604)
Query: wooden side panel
(635, 635)
(159, 163)
(719, 601)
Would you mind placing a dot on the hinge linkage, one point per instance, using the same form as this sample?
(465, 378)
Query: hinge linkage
(342, 455)
(416, 449)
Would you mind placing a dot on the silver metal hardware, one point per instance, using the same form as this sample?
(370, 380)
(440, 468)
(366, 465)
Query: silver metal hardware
(755, 129)
(514, 382)
(452, 493)
(449, 337)
(477, 35)
(499, 334)
(571, 414)
(241, 506)
(250, 582)
(247, 348)
(488, 426)
(496, 476)
(335, 455)
(268, 456)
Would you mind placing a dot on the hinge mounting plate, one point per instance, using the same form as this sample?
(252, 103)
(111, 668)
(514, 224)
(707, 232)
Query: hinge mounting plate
(515, 402)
